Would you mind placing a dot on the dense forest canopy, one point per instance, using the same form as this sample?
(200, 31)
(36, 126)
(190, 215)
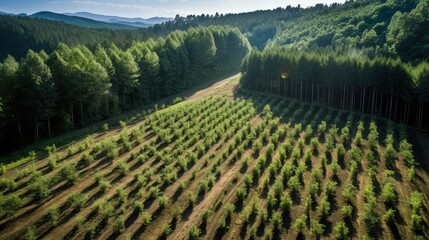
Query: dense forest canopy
(21, 33)
(388, 27)
(347, 80)
(43, 94)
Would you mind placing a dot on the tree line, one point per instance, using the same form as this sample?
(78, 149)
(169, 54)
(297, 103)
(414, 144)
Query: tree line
(20, 33)
(348, 80)
(391, 28)
(42, 95)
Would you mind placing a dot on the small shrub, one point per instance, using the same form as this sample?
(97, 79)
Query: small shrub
(68, 172)
(146, 218)
(10, 204)
(411, 173)
(349, 192)
(330, 188)
(317, 229)
(192, 199)
(416, 202)
(194, 232)
(105, 127)
(268, 235)
(358, 139)
(165, 230)
(32, 155)
(324, 208)
(87, 158)
(347, 211)
(30, 233)
(389, 193)
(335, 167)
(300, 224)
(416, 222)
(52, 162)
(104, 185)
(7, 184)
(294, 184)
(76, 200)
(2, 169)
(119, 224)
(99, 205)
(122, 124)
(107, 211)
(241, 194)
(162, 201)
(229, 208)
(390, 154)
(138, 206)
(79, 221)
(122, 167)
(341, 230)
(276, 219)
(122, 194)
(389, 216)
(263, 215)
(257, 145)
(314, 144)
(41, 188)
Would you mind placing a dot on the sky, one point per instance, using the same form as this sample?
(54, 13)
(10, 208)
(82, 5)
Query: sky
(150, 8)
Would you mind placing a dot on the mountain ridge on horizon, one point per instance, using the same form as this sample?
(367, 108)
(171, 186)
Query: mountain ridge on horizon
(93, 20)
(111, 18)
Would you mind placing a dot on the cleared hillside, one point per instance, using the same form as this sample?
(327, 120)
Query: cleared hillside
(226, 163)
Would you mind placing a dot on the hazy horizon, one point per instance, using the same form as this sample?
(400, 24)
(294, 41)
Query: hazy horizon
(146, 8)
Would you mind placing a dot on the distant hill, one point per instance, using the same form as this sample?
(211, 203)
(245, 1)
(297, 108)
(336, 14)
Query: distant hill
(82, 22)
(5, 13)
(122, 20)
(20, 33)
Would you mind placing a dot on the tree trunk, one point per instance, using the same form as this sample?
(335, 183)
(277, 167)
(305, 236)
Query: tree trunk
(107, 107)
(306, 92)
(72, 116)
(344, 96)
(90, 114)
(123, 100)
(284, 87)
(20, 132)
(81, 113)
(312, 91)
(49, 126)
(396, 108)
(373, 102)
(363, 99)
(329, 94)
(391, 105)
(37, 130)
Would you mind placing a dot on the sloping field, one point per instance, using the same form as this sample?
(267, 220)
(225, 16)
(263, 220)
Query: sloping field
(226, 164)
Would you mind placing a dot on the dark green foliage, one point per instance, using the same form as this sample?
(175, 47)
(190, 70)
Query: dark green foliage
(300, 224)
(341, 230)
(194, 232)
(119, 224)
(41, 188)
(10, 204)
(54, 215)
(317, 229)
(346, 76)
(76, 200)
(276, 219)
(68, 172)
(74, 86)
